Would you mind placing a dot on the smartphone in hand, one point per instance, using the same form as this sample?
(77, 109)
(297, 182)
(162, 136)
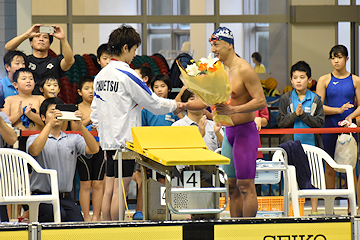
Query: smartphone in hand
(46, 29)
(68, 111)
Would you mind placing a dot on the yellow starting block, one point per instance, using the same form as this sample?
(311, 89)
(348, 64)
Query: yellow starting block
(162, 148)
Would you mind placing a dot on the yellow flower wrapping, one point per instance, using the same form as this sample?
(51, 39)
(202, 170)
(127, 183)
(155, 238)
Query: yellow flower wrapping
(211, 88)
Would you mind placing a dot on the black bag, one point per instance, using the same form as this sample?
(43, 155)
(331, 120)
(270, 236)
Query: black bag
(184, 59)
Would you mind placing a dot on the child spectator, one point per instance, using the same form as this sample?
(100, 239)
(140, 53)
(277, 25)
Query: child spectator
(161, 86)
(301, 108)
(103, 58)
(338, 91)
(13, 60)
(259, 67)
(145, 73)
(103, 55)
(91, 171)
(50, 87)
(57, 150)
(206, 112)
(23, 109)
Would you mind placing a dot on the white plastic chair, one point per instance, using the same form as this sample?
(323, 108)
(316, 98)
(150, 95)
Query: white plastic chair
(315, 156)
(15, 183)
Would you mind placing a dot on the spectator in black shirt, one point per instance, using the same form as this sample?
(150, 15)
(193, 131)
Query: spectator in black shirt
(40, 63)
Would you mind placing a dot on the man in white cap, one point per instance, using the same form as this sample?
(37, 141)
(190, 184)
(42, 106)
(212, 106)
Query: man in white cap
(241, 140)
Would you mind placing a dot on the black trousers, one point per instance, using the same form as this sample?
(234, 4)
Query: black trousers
(70, 212)
(3, 214)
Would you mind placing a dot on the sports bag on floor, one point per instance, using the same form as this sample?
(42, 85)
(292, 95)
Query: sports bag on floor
(346, 150)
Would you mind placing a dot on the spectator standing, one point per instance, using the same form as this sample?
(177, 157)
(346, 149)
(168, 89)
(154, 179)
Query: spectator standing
(259, 67)
(91, 170)
(118, 97)
(39, 62)
(338, 90)
(301, 108)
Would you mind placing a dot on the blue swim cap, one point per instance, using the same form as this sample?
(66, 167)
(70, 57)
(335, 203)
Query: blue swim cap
(222, 33)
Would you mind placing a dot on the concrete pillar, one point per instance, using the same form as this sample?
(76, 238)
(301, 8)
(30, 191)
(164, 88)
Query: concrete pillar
(7, 27)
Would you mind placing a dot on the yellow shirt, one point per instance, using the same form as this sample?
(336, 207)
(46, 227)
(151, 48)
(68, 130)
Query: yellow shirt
(260, 68)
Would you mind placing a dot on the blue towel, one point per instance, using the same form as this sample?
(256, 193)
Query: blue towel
(24, 119)
(90, 128)
(298, 158)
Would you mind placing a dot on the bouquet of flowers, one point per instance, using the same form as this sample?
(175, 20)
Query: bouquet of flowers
(207, 78)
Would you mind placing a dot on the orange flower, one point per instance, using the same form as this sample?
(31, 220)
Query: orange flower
(202, 67)
(213, 69)
(215, 66)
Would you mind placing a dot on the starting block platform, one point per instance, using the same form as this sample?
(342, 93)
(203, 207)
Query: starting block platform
(163, 148)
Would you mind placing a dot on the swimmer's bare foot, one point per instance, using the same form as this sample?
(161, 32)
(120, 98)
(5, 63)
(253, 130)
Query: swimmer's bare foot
(95, 219)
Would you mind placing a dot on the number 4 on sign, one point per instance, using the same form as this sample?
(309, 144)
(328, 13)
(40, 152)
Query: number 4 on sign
(191, 179)
(163, 196)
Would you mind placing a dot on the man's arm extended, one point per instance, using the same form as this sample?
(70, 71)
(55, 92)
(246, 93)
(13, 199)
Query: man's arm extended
(68, 59)
(16, 41)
